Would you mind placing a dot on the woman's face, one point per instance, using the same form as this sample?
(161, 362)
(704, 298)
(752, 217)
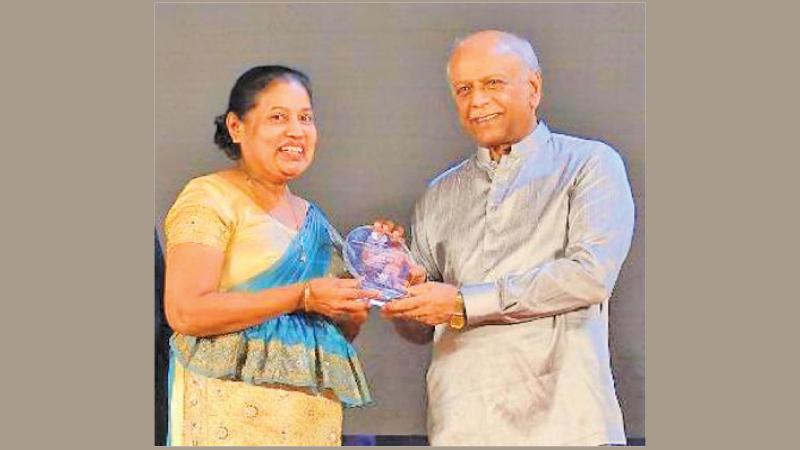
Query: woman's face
(277, 136)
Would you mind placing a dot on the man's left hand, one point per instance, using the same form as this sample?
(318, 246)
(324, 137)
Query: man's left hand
(430, 303)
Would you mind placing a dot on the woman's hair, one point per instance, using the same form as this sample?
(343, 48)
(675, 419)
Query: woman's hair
(243, 99)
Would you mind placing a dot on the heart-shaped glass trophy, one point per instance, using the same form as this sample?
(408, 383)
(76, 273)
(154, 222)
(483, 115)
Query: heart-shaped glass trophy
(380, 264)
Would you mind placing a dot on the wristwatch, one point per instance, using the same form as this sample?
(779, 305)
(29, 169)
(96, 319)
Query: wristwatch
(458, 319)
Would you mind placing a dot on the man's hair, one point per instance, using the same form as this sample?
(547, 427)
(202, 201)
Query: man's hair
(508, 43)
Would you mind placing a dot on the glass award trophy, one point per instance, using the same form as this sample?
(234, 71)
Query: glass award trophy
(379, 263)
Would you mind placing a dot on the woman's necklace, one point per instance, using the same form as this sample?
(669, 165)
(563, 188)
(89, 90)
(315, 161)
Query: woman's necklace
(253, 181)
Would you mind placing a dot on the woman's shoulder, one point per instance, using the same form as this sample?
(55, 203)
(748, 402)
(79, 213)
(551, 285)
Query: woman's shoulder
(214, 181)
(201, 214)
(209, 191)
(213, 186)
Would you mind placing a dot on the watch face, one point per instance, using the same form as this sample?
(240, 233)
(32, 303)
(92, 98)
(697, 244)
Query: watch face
(457, 322)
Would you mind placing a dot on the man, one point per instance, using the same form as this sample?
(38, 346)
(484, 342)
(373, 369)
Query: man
(524, 240)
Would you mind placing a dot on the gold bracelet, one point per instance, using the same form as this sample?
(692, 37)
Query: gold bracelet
(306, 294)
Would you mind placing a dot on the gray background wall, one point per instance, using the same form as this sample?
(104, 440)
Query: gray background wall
(387, 126)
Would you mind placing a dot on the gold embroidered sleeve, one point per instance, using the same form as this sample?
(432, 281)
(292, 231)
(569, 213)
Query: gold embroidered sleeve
(198, 216)
(198, 224)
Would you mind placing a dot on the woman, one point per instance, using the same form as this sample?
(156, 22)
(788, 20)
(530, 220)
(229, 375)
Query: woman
(261, 353)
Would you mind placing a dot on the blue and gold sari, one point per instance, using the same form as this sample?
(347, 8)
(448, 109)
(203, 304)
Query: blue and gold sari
(272, 383)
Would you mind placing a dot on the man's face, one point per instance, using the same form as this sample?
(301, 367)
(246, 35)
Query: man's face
(496, 94)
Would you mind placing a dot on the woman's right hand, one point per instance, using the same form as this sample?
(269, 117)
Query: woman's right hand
(337, 298)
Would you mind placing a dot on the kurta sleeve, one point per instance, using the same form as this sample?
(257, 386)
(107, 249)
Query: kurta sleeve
(601, 219)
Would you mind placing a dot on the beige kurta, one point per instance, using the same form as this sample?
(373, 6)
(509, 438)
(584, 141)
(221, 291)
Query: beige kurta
(536, 242)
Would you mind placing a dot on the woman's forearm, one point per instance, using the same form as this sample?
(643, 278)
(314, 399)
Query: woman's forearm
(225, 312)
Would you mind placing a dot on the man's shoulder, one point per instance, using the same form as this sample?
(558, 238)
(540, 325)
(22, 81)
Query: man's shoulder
(583, 148)
(444, 179)
(443, 183)
(588, 155)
